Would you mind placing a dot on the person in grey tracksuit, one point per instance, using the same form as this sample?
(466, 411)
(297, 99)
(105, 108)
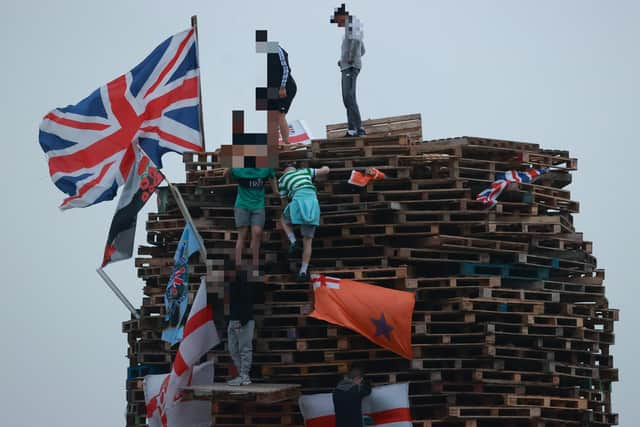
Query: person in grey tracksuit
(241, 327)
(350, 65)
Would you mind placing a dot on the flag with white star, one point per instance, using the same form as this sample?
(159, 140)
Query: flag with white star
(382, 315)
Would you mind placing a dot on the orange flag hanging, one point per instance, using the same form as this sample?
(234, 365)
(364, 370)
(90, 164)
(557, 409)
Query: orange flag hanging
(380, 314)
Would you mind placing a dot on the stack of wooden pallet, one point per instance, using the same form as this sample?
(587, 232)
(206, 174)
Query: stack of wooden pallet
(511, 325)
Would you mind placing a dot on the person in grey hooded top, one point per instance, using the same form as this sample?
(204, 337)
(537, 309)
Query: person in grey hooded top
(350, 64)
(347, 399)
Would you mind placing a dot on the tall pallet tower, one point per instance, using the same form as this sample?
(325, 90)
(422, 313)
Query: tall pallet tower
(511, 325)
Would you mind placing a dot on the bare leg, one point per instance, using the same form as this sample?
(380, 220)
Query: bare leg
(256, 239)
(306, 251)
(286, 226)
(242, 235)
(272, 128)
(284, 127)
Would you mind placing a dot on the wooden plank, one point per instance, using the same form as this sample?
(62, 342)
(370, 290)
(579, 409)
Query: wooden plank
(256, 392)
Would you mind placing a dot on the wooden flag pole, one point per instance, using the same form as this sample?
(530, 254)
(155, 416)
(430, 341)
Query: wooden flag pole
(187, 217)
(194, 25)
(117, 291)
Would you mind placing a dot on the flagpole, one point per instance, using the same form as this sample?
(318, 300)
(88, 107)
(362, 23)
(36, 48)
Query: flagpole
(194, 25)
(117, 291)
(187, 217)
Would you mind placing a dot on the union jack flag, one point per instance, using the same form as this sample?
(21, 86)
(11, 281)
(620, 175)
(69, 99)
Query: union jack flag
(489, 196)
(90, 145)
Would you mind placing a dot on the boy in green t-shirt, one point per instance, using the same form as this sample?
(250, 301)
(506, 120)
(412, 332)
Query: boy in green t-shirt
(249, 207)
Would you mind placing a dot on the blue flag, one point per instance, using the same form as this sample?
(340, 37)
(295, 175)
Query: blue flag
(176, 297)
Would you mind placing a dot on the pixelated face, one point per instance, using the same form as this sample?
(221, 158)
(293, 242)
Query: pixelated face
(248, 156)
(247, 150)
(340, 20)
(340, 16)
(263, 45)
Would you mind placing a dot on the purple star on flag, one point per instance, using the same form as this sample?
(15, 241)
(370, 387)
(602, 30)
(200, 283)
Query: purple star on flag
(382, 327)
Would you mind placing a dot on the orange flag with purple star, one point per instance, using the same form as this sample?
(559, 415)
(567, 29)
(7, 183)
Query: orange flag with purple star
(383, 315)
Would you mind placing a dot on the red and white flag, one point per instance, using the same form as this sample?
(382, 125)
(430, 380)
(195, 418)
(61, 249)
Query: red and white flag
(387, 405)
(298, 133)
(200, 335)
(195, 413)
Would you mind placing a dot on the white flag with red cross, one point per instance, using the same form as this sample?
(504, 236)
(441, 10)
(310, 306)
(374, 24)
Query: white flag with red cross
(200, 335)
(299, 133)
(387, 405)
(195, 413)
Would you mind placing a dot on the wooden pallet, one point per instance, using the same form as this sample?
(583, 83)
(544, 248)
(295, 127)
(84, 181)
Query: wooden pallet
(409, 125)
(511, 323)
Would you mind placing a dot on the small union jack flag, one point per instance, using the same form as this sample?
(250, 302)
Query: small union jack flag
(489, 196)
(90, 145)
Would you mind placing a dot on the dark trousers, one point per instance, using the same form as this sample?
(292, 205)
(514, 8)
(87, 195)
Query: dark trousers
(349, 77)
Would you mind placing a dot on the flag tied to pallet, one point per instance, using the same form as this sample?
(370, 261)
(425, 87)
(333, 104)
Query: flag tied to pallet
(363, 179)
(194, 413)
(489, 196)
(142, 182)
(387, 405)
(90, 146)
(380, 314)
(176, 297)
(200, 335)
(299, 133)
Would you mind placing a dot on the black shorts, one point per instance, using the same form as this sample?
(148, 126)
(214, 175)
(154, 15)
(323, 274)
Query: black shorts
(283, 104)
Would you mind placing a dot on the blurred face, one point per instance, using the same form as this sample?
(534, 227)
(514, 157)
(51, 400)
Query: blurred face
(341, 20)
(357, 380)
(248, 156)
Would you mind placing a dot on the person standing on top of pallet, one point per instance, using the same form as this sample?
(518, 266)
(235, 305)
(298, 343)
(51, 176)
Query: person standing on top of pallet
(350, 64)
(241, 326)
(249, 208)
(279, 69)
(303, 209)
(347, 399)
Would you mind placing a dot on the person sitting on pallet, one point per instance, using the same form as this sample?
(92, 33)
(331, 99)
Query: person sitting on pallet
(303, 209)
(347, 399)
(241, 325)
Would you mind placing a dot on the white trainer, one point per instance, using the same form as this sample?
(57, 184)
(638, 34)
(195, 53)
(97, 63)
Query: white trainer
(236, 381)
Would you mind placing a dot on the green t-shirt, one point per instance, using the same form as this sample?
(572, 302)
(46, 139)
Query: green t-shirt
(251, 186)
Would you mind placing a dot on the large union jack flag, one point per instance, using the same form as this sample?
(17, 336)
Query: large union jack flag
(90, 145)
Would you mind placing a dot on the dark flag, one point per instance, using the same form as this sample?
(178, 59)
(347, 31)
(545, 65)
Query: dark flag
(141, 183)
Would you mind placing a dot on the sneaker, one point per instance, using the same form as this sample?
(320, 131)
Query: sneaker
(361, 132)
(245, 380)
(236, 381)
(302, 277)
(350, 134)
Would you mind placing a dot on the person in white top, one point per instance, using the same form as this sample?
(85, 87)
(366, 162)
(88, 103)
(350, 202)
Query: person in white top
(350, 64)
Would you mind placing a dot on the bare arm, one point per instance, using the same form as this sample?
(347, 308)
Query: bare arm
(274, 186)
(276, 190)
(323, 171)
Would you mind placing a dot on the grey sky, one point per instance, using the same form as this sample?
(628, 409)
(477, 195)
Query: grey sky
(560, 73)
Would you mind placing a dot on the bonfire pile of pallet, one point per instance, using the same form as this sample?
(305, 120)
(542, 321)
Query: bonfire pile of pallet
(511, 325)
